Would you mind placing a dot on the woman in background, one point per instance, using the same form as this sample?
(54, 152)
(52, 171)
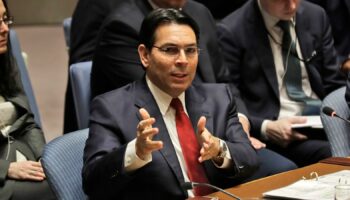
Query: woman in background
(21, 139)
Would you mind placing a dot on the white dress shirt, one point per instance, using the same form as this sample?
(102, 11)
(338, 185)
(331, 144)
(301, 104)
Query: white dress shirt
(163, 100)
(288, 106)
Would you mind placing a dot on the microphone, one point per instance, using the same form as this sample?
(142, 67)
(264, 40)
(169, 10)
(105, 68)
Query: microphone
(330, 112)
(191, 185)
(294, 53)
(313, 55)
(307, 60)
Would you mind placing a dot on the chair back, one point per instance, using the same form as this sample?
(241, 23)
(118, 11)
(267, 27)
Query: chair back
(66, 30)
(336, 129)
(62, 161)
(80, 81)
(22, 68)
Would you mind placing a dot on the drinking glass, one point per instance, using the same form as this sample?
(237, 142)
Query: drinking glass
(342, 192)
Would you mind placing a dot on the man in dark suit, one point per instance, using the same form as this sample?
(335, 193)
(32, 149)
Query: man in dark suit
(252, 41)
(116, 62)
(137, 147)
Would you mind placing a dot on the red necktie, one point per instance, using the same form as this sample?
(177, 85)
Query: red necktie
(190, 148)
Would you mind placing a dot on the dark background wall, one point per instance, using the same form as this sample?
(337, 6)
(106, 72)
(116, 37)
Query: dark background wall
(221, 8)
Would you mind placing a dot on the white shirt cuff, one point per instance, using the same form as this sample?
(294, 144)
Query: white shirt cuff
(131, 161)
(246, 118)
(227, 159)
(263, 130)
(242, 115)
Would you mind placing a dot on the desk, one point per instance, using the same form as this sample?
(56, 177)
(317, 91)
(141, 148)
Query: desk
(255, 189)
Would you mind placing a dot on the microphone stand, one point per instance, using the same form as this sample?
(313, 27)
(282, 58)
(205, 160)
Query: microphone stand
(190, 185)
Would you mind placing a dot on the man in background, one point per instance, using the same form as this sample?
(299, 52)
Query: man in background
(281, 57)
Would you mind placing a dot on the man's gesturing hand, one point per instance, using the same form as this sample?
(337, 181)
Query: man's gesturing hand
(210, 144)
(145, 132)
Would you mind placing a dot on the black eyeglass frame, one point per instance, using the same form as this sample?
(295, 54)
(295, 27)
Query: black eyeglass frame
(167, 50)
(8, 20)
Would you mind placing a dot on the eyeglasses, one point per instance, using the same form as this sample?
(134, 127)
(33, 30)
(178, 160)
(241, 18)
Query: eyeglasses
(174, 51)
(8, 20)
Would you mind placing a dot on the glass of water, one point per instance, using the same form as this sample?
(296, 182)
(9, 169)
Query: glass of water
(342, 192)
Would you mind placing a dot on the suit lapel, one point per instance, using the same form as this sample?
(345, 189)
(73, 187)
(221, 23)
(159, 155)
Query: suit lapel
(307, 44)
(196, 108)
(261, 44)
(304, 36)
(144, 99)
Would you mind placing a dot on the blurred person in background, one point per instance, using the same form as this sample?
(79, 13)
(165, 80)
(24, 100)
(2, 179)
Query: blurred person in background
(86, 22)
(281, 52)
(338, 12)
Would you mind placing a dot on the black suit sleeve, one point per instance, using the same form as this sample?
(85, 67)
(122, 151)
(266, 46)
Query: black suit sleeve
(104, 154)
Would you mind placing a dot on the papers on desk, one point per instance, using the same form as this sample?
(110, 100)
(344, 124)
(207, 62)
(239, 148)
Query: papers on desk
(313, 121)
(321, 189)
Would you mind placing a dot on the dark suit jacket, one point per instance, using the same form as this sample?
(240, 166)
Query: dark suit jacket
(221, 8)
(113, 124)
(87, 19)
(247, 51)
(29, 139)
(116, 61)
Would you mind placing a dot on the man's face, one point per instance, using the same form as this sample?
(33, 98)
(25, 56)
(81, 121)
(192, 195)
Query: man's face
(282, 9)
(170, 3)
(172, 61)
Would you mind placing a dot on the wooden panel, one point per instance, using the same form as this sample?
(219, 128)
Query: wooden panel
(254, 189)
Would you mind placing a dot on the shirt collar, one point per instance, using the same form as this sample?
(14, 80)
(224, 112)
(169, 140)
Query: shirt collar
(163, 99)
(271, 21)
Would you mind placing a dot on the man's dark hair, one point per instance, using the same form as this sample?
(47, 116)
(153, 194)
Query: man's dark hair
(160, 17)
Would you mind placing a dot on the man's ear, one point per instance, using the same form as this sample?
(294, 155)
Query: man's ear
(143, 53)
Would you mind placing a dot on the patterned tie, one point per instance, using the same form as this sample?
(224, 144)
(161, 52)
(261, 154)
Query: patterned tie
(190, 148)
(293, 74)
